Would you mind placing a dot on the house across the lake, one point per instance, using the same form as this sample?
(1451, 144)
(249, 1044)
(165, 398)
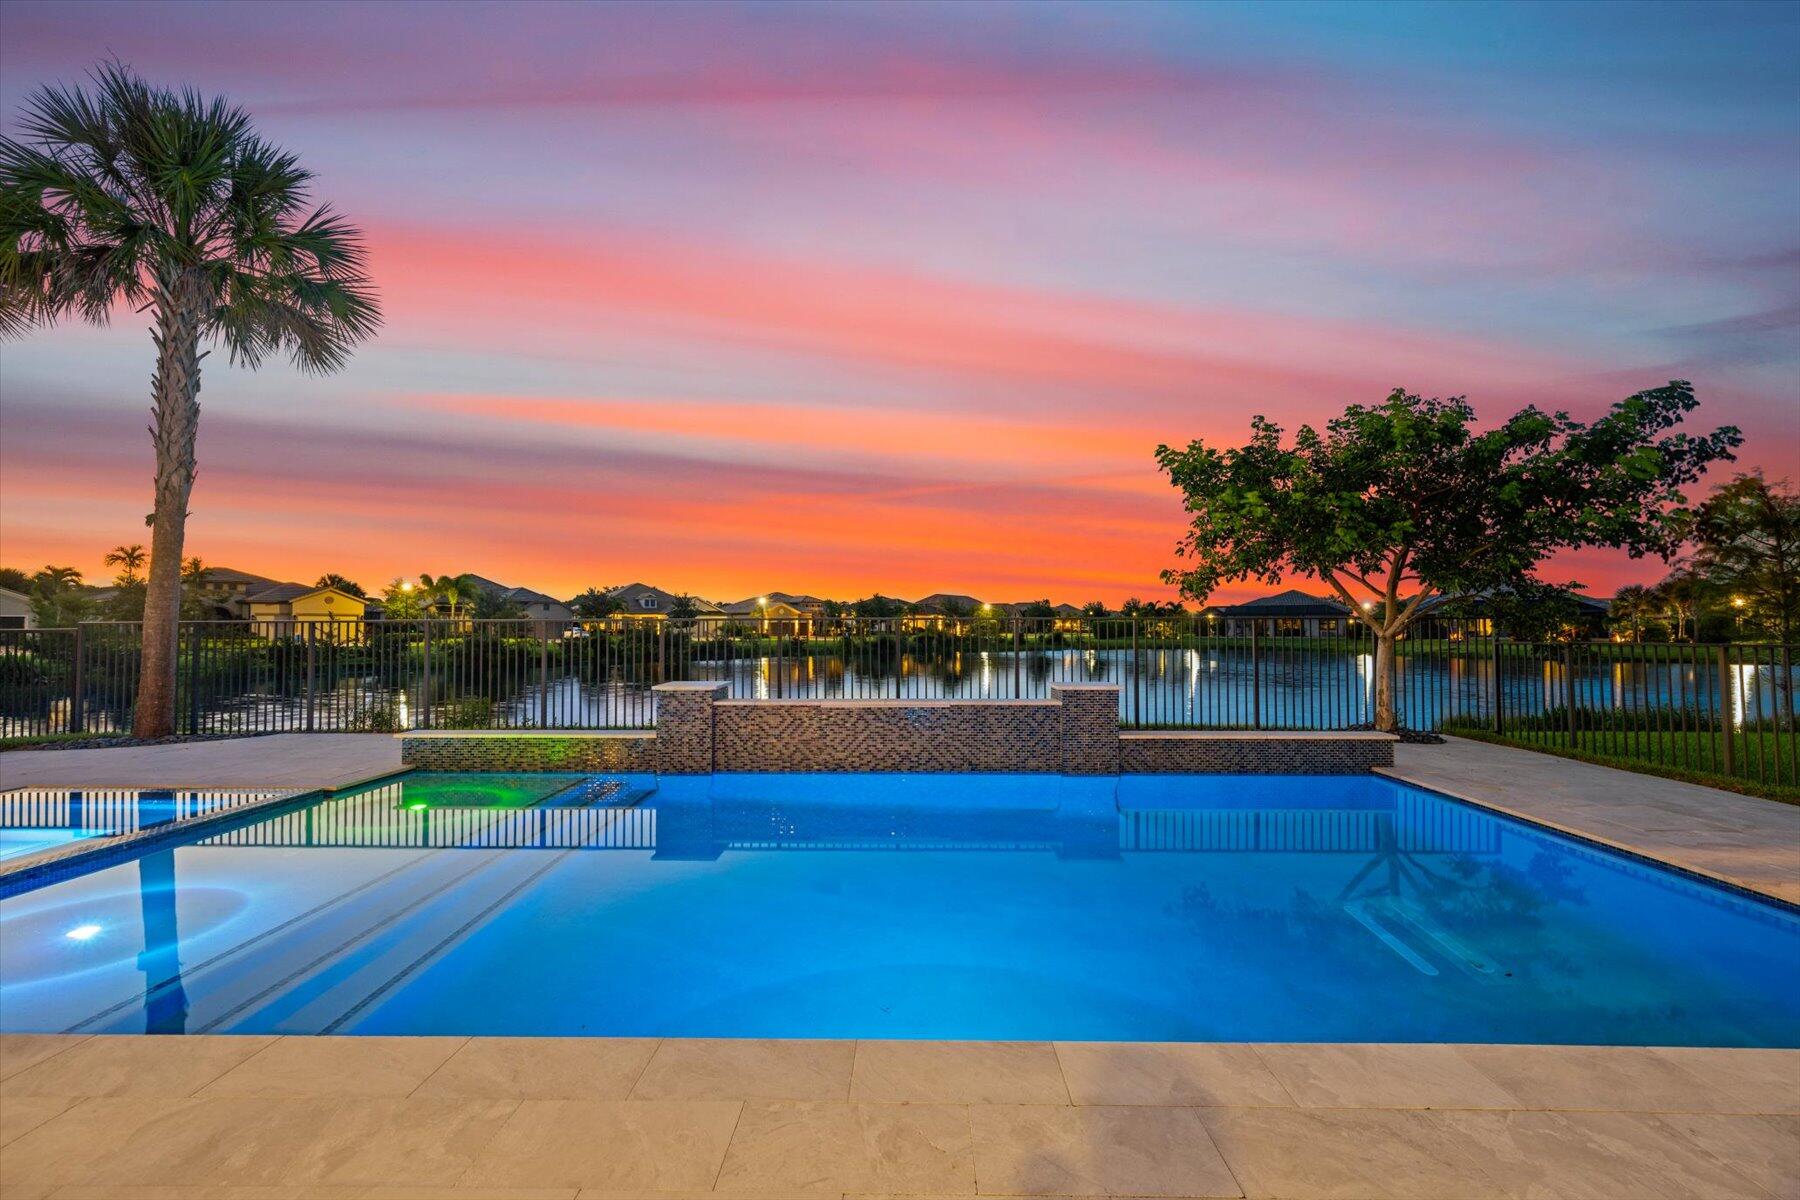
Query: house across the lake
(781, 614)
(301, 604)
(1292, 613)
(642, 600)
(537, 606)
(15, 610)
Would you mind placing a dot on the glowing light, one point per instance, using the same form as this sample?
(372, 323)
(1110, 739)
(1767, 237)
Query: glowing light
(1737, 602)
(1368, 605)
(407, 586)
(417, 806)
(82, 933)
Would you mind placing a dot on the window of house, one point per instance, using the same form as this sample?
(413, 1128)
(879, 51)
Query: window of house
(646, 601)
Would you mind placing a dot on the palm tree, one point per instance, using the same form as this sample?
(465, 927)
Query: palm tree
(128, 194)
(1632, 605)
(451, 589)
(129, 559)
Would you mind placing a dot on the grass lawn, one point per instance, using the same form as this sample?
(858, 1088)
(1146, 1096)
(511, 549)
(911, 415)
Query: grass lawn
(1662, 753)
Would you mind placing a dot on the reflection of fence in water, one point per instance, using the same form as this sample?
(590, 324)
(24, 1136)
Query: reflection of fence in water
(377, 819)
(113, 810)
(1415, 826)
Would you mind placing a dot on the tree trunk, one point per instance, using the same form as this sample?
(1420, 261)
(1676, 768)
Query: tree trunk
(1385, 718)
(175, 416)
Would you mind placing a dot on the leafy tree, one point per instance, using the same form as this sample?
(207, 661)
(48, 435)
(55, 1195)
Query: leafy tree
(596, 603)
(129, 559)
(161, 200)
(1633, 607)
(127, 601)
(332, 579)
(15, 580)
(879, 606)
(957, 610)
(58, 599)
(400, 601)
(1036, 609)
(1406, 501)
(1135, 608)
(196, 597)
(1095, 610)
(1748, 533)
(1683, 598)
(684, 607)
(492, 606)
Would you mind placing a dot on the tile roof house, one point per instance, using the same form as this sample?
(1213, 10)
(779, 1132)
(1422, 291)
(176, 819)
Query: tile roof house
(642, 600)
(227, 590)
(303, 604)
(1292, 613)
(536, 606)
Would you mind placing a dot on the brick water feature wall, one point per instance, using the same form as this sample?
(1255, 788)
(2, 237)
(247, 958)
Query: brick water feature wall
(1074, 732)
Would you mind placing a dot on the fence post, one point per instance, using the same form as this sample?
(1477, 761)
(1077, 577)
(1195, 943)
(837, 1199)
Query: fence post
(1137, 676)
(1569, 687)
(77, 719)
(543, 674)
(425, 699)
(1727, 704)
(1499, 691)
(1255, 675)
(193, 677)
(311, 628)
(1017, 650)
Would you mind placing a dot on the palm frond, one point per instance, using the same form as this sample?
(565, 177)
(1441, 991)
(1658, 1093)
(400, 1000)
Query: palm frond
(114, 191)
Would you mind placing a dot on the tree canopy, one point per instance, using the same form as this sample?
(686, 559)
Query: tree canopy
(1395, 504)
(1408, 499)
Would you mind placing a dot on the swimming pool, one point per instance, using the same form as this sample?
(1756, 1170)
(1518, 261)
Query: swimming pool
(1252, 908)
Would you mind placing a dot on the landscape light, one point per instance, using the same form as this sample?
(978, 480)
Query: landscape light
(1737, 602)
(82, 933)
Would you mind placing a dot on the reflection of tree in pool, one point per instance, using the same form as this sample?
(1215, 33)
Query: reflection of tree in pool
(1474, 895)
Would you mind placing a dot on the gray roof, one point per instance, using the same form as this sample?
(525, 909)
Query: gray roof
(282, 593)
(220, 575)
(1291, 603)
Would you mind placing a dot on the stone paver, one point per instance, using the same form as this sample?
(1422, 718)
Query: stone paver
(514, 1117)
(1742, 840)
(280, 761)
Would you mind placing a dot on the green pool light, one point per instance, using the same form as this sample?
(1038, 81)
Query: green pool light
(417, 806)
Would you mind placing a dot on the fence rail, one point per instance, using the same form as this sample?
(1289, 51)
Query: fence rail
(1726, 709)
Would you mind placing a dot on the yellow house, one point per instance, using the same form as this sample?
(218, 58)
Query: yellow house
(302, 605)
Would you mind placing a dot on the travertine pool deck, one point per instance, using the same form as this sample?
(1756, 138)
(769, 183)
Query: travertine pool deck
(466, 1117)
(343, 1117)
(282, 761)
(1744, 841)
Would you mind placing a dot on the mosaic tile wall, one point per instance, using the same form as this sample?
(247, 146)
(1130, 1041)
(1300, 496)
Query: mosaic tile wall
(1173, 754)
(923, 736)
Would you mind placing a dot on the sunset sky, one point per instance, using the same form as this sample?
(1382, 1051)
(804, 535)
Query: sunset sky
(834, 299)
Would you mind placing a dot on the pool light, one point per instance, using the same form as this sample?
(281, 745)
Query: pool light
(82, 933)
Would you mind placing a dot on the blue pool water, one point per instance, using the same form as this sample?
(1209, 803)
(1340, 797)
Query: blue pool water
(1156, 908)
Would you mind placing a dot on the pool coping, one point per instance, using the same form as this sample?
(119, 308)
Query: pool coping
(1627, 849)
(91, 854)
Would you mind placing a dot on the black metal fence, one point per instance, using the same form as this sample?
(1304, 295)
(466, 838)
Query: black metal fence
(1725, 708)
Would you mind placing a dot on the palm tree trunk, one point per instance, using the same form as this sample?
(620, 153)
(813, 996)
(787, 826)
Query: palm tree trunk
(175, 414)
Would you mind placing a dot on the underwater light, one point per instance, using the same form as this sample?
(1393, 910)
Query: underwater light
(82, 933)
(417, 806)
